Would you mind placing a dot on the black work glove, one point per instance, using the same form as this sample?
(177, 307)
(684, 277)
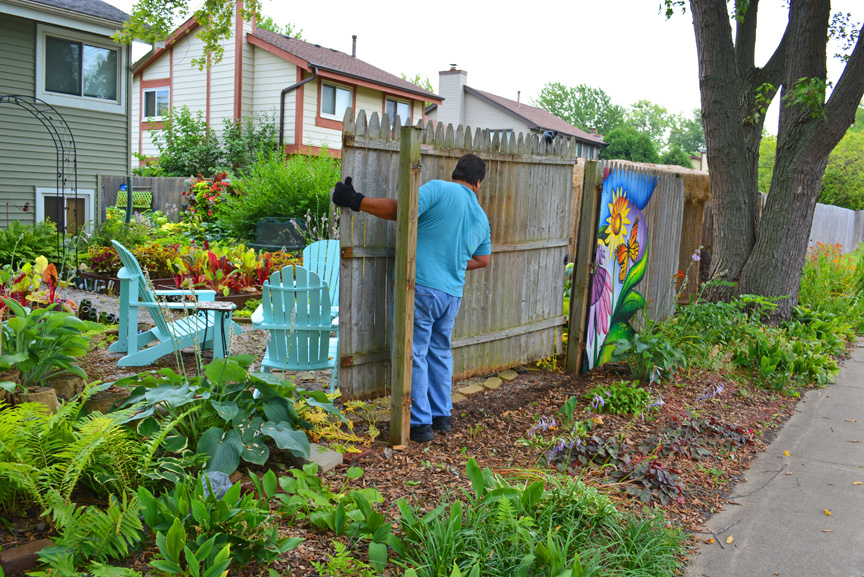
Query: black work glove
(345, 195)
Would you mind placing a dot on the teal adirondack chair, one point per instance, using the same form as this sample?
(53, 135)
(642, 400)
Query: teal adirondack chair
(170, 336)
(323, 259)
(296, 311)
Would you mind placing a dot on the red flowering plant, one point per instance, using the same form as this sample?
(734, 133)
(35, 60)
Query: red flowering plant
(204, 195)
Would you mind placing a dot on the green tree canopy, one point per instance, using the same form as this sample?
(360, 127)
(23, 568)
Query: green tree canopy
(676, 155)
(582, 106)
(289, 30)
(627, 143)
(687, 133)
(651, 119)
(154, 20)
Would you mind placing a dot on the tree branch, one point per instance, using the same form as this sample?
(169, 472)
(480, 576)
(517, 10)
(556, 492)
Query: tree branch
(846, 97)
(745, 39)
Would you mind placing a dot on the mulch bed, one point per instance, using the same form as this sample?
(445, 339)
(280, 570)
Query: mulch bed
(487, 427)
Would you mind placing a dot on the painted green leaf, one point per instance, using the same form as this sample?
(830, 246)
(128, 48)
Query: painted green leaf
(620, 330)
(627, 308)
(634, 276)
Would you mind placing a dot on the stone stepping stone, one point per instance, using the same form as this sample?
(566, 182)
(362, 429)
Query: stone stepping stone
(471, 390)
(456, 397)
(326, 459)
(508, 375)
(492, 383)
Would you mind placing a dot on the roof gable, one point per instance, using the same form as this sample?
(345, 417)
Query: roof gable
(339, 62)
(536, 118)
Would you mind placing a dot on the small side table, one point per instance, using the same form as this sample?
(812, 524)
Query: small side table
(221, 312)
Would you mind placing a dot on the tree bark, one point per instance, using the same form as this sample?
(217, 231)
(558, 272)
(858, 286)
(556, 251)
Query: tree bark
(766, 256)
(733, 173)
(808, 132)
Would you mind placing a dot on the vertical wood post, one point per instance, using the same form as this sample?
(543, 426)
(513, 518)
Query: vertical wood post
(580, 290)
(406, 265)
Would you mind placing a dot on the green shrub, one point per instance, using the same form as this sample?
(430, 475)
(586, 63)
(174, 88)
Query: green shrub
(187, 146)
(650, 356)
(280, 187)
(24, 243)
(620, 398)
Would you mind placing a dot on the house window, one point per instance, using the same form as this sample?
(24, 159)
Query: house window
(70, 214)
(157, 103)
(399, 108)
(79, 69)
(335, 100)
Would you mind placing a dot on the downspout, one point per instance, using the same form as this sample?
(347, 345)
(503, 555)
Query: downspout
(282, 104)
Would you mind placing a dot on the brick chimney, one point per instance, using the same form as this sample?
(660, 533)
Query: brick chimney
(450, 87)
(592, 130)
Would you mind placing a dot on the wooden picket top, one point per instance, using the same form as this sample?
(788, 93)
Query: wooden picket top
(512, 311)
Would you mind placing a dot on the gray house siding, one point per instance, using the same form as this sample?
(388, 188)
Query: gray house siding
(27, 154)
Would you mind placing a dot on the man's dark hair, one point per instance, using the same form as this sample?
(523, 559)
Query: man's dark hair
(470, 169)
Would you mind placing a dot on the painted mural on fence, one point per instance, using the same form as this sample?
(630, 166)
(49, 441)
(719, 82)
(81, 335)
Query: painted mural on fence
(620, 260)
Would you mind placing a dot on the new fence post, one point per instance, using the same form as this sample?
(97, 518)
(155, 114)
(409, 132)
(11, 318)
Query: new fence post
(403, 306)
(580, 291)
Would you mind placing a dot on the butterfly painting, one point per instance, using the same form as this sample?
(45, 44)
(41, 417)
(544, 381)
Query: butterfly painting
(627, 251)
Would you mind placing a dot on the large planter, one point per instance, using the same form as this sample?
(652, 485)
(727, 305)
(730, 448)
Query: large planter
(104, 401)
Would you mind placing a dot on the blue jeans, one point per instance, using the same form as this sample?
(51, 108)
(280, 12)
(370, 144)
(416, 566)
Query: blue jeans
(432, 365)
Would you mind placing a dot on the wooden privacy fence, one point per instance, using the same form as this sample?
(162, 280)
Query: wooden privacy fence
(663, 217)
(167, 191)
(512, 311)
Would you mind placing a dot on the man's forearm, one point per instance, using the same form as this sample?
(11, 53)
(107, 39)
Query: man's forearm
(381, 207)
(478, 262)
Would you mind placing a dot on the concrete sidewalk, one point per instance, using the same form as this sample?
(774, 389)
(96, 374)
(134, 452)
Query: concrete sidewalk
(780, 526)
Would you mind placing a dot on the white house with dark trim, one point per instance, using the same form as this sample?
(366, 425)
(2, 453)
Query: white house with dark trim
(471, 107)
(306, 86)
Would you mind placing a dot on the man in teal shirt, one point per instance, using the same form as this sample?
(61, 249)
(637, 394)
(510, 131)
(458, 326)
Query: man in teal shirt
(453, 236)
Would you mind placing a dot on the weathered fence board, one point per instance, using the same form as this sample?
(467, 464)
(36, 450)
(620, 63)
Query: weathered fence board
(512, 310)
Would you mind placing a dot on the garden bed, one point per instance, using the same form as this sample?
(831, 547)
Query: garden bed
(491, 427)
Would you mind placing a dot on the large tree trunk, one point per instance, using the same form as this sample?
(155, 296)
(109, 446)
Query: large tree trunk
(732, 171)
(808, 132)
(766, 257)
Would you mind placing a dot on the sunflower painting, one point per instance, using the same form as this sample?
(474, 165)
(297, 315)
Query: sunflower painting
(620, 261)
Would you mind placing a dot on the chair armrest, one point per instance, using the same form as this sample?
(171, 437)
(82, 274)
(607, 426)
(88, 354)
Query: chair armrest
(258, 316)
(203, 295)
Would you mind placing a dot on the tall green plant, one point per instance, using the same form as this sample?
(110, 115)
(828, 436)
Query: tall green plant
(280, 187)
(43, 342)
(186, 144)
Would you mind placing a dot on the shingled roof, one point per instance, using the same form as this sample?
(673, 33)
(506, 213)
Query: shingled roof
(95, 8)
(336, 61)
(536, 118)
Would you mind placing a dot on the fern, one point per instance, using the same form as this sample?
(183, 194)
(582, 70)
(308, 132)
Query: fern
(91, 533)
(505, 511)
(100, 570)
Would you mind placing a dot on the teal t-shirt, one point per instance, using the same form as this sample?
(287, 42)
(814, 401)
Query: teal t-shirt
(451, 229)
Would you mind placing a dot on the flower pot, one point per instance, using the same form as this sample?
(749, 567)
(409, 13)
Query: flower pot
(66, 385)
(45, 395)
(103, 401)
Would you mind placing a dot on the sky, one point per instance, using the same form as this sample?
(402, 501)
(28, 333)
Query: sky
(625, 47)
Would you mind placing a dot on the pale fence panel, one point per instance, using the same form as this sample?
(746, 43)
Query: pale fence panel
(512, 310)
(664, 215)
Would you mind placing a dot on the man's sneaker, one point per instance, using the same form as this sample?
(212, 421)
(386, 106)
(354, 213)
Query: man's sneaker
(421, 433)
(441, 424)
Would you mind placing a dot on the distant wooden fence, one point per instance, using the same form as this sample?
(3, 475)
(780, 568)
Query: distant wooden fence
(512, 311)
(167, 191)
